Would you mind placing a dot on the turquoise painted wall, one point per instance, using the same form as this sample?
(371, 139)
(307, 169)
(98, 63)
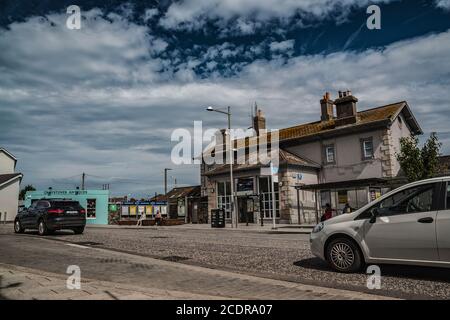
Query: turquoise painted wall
(101, 197)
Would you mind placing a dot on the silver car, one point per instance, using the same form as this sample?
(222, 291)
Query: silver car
(409, 225)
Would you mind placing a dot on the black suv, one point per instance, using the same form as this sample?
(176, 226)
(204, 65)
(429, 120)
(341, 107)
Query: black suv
(48, 215)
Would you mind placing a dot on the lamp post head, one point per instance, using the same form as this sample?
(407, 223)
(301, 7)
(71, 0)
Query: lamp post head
(210, 108)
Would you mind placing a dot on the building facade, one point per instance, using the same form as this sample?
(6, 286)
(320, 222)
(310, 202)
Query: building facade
(9, 186)
(95, 202)
(187, 204)
(345, 158)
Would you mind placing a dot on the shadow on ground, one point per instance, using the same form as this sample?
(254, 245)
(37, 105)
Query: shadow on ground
(11, 285)
(58, 233)
(397, 271)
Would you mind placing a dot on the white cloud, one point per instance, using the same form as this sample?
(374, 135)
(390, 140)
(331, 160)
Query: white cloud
(282, 46)
(103, 101)
(150, 14)
(193, 14)
(443, 4)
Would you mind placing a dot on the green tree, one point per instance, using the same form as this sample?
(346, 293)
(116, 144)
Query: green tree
(24, 191)
(419, 163)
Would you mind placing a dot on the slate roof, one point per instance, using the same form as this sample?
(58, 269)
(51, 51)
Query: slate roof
(7, 177)
(181, 192)
(286, 157)
(371, 118)
(385, 113)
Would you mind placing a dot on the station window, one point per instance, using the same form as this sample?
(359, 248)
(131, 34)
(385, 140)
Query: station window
(223, 198)
(367, 148)
(91, 212)
(329, 154)
(265, 196)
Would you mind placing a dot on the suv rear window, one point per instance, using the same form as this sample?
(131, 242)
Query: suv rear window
(65, 204)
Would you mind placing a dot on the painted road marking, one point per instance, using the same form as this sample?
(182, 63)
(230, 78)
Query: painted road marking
(76, 245)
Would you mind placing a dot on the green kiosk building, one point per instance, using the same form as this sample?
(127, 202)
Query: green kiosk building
(95, 202)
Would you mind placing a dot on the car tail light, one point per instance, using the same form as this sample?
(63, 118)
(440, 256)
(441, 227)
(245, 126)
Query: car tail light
(56, 212)
(82, 211)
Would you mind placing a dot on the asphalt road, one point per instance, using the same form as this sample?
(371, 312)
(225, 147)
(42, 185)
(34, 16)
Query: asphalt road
(35, 268)
(275, 256)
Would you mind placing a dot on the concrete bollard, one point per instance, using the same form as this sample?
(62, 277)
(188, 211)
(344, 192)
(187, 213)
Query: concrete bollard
(4, 219)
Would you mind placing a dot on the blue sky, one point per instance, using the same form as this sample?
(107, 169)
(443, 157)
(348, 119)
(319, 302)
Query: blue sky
(105, 99)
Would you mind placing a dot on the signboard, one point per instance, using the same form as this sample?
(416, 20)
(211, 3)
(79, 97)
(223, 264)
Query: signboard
(244, 186)
(265, 171)
(375, 194)
(217, 218)
(270, 171)
(342, 196)
(65, 192)
(144, 203)
(273, 169)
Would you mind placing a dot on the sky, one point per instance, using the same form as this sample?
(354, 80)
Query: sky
(105, 99)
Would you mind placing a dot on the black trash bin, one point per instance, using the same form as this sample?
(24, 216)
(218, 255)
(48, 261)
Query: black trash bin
(217, 218)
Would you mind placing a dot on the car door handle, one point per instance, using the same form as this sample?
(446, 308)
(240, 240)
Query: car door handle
(426, 220)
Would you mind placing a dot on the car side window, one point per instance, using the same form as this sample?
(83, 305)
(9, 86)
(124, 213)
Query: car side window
(411, 200)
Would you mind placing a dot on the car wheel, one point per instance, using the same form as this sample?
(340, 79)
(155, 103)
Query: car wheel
(344, 255)
(18, 227)
(78, 230)
(42, 228)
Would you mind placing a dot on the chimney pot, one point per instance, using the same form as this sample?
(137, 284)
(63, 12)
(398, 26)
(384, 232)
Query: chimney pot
(259, 121)
(326, 107)
(346, 112)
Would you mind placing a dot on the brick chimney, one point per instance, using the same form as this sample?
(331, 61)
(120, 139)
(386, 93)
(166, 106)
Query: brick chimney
(259, 121)
(346, 108)
(326, 107)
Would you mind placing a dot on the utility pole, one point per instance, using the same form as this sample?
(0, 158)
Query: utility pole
(233, 209)
(165, 180)
(83, 177)
(234, 213)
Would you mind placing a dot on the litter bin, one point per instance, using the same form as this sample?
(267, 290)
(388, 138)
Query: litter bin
(217, 218)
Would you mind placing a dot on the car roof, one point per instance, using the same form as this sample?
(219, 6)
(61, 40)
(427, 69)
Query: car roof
(436, 179)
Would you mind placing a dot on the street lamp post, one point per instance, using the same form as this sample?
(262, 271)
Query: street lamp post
(165, 180)
(234, 220)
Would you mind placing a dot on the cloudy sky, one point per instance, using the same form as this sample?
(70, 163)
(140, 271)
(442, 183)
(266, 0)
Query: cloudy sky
(105, 99)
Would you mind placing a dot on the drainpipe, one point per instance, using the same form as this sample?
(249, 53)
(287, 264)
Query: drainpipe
(186, 209)
(298, 204)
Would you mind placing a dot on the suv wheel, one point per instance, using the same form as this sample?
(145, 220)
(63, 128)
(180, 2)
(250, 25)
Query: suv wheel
(344, 255)
(42, 228)
(78, 230)
(18, 227)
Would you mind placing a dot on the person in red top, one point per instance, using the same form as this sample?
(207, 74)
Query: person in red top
(328, 214)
